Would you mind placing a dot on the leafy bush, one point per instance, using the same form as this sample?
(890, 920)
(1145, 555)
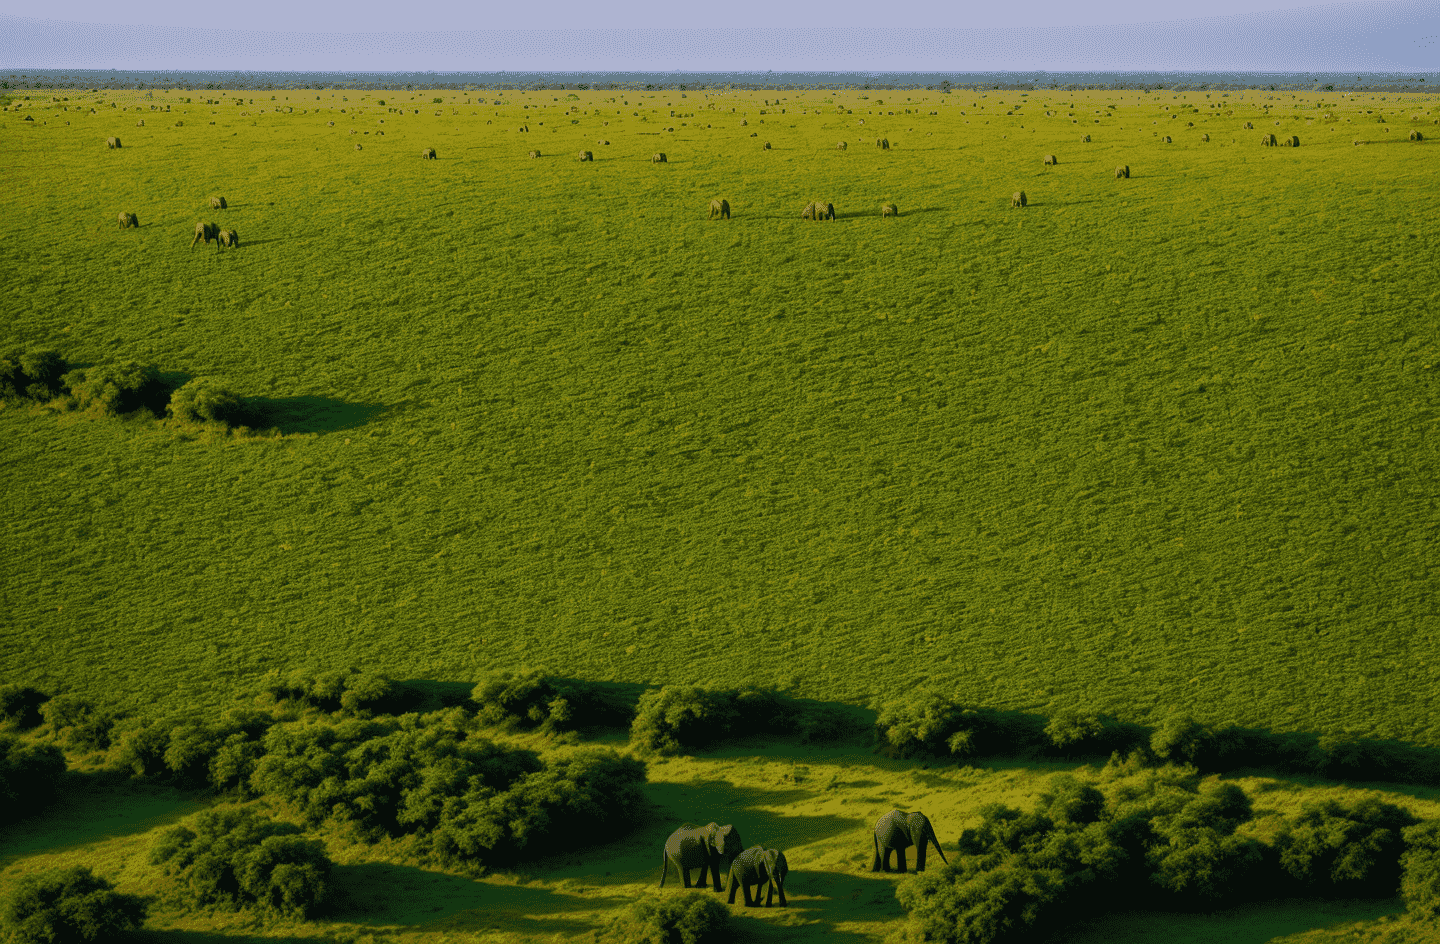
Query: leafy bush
(1072, 733)
(35, 375)
(20, 706)
(349, 690)
(675, 717)
(77, 723)
(1420, 878)
(236, 858)
(1354, 850)
(205, 400)
(934, 723)
(528, 699)
(28, 776)
(973, 904)
(194, 754)
(117, 388)
(691, 918)
(70, 906)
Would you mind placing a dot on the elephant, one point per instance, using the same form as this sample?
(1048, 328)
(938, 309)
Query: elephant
(1017, 199)
(711, 847)
(759, 866)
(658, 158)
(111, 143)
(128, 220)
(889, 209)
(898, 831)
(218, 203)
(229, 238)
(428, 154)
(720, 208)
(818, 210)
(205, 231)
(1050, 160)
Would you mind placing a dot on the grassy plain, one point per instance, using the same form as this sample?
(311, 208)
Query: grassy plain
(1148, 444)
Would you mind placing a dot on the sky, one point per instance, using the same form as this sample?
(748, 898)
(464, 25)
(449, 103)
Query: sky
(739, 35)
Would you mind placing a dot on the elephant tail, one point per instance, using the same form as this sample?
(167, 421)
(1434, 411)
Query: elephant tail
(936, 839)
(875, 866)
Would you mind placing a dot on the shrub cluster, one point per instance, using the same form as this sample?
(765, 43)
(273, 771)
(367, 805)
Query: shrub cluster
(349, 690)
(674, 718)
(78, 723)
(113, 389)
(529, 699)
(234, 858)
(20, 706)
(195, 753)
(934, 723)
(206, 400)
(70, 906)
(28, 776)
(1420, 878)
(691, 918)
(33, 376)
(1159, 835)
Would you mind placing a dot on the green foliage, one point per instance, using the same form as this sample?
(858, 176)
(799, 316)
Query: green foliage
(205, 400)
(971, 904)
(70, 906)
(20, 706)
(194, 753)
(112, 389)
(350, 690)
(234, 858)
(28, 776)
(77, 723)
(1420, 878)
(529, 699)
(1345, 850)
(690, 918)
(676, 718)
(934, 723)
(34, 375)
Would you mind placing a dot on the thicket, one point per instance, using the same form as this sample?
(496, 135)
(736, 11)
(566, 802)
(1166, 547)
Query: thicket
(34, 375)
(206, 400)
(69, 906)
(78, 723)
(677, 718)
(117, 388)
(530, 699)
(1420, 865)
(29, 774)
(20, 706)
(691, 918)
(1159, 835)
(348, 690)
(237, 858)
(933, 723)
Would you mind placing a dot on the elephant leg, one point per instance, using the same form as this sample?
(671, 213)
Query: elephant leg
(751, 902)
(734, 882)
(684, 873)
(878, 864)
(769, 893)
(781, 890)
(900, 860)
(920, 855)
(714, 875)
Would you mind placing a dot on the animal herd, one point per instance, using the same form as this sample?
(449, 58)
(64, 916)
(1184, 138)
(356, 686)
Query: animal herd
(714, 849)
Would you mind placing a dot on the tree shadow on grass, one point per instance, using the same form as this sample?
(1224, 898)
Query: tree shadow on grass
(92, 807)
(177, 936)
(379, 894)
(310, 414)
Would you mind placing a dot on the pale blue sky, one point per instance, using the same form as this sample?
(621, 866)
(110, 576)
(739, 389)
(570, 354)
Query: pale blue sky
(739, 35)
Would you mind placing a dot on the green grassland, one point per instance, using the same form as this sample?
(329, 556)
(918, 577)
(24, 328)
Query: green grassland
(1145, 445)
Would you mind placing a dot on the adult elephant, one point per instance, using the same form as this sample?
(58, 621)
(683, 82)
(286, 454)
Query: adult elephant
(759, 867)
(710, 847)
(897, 831)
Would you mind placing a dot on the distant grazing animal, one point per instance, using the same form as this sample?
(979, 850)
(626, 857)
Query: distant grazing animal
(883, 143)
(584, 156)
(534, 154)
(765, 146)
(1416, 136)
(205, 231)
(1166, 139)
(1267, 140)
(841, 146)
(524, 127)
(1122, 171)
(1204, 137)
(710, 848)
(889, 209)
(1249, 126)
(1050, 160)
(217, 203)
(658, 158)
(818, 210)
(1085, 139)
(358, 147)
(720, 208)
(128, 220)
(428, 154)
(112, 143)
(743, 122)
(140, 123)
(1017, 199)
(604, 142)
(229, 238)
(331, 124)
(897, 831)
(1291, 141)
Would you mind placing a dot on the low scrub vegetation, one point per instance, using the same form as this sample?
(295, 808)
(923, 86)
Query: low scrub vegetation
(691, 918)
(530, 699)
(29, 774)
(70, 906)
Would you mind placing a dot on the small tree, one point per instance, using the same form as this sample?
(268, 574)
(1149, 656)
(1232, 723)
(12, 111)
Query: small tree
(116, 388)
(20, 706)
(72, 906)
(205, 400)
(28, 776)
(1420, 881)
(692, 918)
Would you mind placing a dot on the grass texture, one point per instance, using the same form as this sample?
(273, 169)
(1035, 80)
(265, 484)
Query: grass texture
(1145, 445)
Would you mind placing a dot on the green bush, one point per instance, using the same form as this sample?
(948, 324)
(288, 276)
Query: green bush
(35, 375)
(236, 858)
(204, 400)
(530, 699)
(972, 904)
(28, 776)
(934, 723)
(674, 718)
(349, 690)
(1420, 876)
(194, 754)
(77, 723)
(113, 389)
(1352, 850)
(691, 918)
(20, 706)
(70, 906)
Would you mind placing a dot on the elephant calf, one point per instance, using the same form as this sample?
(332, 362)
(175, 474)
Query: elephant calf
(897, 831)
(709, 848)
(757, 866)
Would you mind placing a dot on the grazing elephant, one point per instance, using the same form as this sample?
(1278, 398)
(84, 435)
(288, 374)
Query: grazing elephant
(1050, 160)
(757, 866)
(840, 146)
(899, 831)
(818, 210)
(1017, 199)
(217, 203)
(428, 154)
(658, 158)
(889, 209)
(585, 156)
(111, 143)
(534, 154)
(1123, 171)
(766, 145)
(205, 231)
(229, 238)
(720, 208)
(711, 847)
(128, 220)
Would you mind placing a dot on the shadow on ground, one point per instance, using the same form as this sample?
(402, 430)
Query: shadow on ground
(310, 414)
